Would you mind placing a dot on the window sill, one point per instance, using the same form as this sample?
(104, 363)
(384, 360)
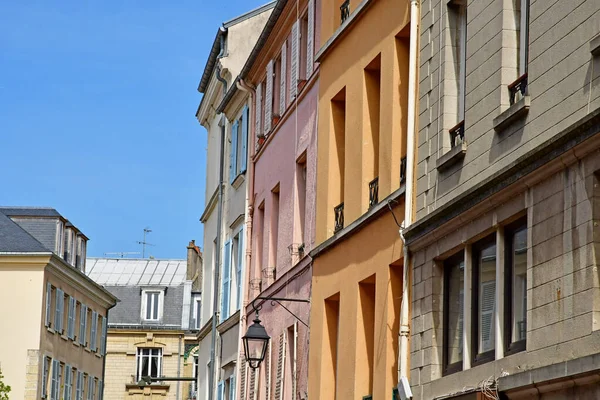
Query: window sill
(453, 156)
(237, 182)
(87, 349)
(49, 329)
(595, 46)
(514, 112)
(97, 355)
(63, 337)
(76, 344)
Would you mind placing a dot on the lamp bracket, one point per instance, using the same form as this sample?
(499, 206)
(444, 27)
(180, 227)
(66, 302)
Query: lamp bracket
(278, 300)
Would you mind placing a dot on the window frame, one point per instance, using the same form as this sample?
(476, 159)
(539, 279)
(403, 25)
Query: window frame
(139, 356)
(144, 308)
(490, 355)
(447, 368)
(197, 311)
(511, 347)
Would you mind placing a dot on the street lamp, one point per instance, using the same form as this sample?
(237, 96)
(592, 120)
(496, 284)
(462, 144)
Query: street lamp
(255, 343)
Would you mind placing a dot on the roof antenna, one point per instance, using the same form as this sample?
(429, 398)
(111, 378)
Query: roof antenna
(144, 243)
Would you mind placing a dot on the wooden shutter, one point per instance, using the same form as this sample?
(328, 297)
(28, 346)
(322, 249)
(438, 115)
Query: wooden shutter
(268, 372)
(233, 152)
(488, 306)
(232, 387)
(279, 380)
(282, 79)
(104, 325)
(44, 376)
(294, 62)
(93, 333)
(310, 52)
(82, 324)
(48, 302)
(79, 386)
(226, 281)
(71, 318)
(269, 98)
(58, 315)
(243, 369)
(257, 110)
(239, 264)
(295, 362)
(220, 390)
(245, 126)
(67, 385)
(252, 390)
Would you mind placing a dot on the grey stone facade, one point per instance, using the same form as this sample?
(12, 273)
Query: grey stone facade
(536, 161)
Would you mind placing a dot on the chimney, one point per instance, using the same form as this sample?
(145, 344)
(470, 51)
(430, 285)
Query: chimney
(194, 265)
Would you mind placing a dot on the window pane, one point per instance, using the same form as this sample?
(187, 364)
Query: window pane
(154, 305)
(148, 305)
(519, 276)
(487, 297)
(455, 312)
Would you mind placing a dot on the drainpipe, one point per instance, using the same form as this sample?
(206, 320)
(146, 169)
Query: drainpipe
(404, 354)
(242, 85)
(213, 333)
(178, 367)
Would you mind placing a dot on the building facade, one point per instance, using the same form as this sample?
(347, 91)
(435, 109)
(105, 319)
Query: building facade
(225, 210)
(56, 346)
(152, 330)
(363, 124)
(505, 289)
(276, 94)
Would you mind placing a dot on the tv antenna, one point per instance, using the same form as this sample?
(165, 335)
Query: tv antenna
(144, 243)
(122, 254)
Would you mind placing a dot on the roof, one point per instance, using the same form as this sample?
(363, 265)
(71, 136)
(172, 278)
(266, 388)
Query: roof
(214, 51)
(30, 212)
(14, 239)
(260, 43)
(136, 272)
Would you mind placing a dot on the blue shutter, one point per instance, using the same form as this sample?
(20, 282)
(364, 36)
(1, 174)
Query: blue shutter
(244, 152)
(232, 387)
(58, 315)
(240, 261)
(48, 302)
(220, 390)
(233, 153)
(226, 281)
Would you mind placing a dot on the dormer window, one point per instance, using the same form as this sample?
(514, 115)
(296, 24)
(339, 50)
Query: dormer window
(152, 304)
(80, 258)
(68, 245)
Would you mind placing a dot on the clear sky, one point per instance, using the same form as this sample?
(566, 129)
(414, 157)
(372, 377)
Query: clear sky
(97, 104)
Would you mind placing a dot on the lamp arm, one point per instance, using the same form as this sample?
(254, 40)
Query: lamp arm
(278, 300)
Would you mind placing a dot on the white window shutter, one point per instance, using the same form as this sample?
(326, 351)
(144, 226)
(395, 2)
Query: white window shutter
(269, 98)
(279, 383)
(71, 318)
(310, 39)
(294, 62)
(295, 362)
(283, 75)
(257, 110)
(48, 302)
(220, 390)
(93, 333)
(58, 315)
(233, 152)
(82, 324)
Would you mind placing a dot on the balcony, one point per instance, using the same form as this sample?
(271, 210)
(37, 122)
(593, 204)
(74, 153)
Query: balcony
(373, 192)
(339, 218)
(458, 148)
(520, 85)
(345, 10)
(402, 171)
(457, 134)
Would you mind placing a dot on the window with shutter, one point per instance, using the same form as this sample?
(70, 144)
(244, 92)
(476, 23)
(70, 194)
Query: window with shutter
(269, 98)
(220, 390)
(488, 306)
(79, 386)
(282, 79)
(233, 152)
(245, 120)
(279, 379)
(238, 267)
(103, 327)
(243, 370)
(232, 387)
(90, 387)
(68, 385)
(71, 318)
(48, 303)
(226, 281)
(294, 61)
(258, 110)
(82, 324)
(45, 361)
(54, 381)
(58, 316)
(310, 38)
(94, 331)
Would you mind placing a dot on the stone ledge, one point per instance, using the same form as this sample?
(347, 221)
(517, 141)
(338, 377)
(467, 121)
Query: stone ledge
(595, 46)
(514, 112)
(451, 157)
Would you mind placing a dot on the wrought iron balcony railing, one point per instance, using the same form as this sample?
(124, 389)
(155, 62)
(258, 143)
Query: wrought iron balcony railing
(373, 192)
(457, 134)
(520, 85)
(345, 10)
(339, 218)
(403, 170)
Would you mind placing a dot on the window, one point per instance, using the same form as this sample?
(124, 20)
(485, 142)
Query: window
(48, 304)
(194, 384)
(83, 311)
(68, 385)
(521, 13)
(104, 328)
(484, 300)
(457, 16)
(56, 378)
(283, 78)
(79, 386)
(366, 333)
(67, 245)
(300, 203)
(71, 318)
(338, 162)
(294, 60)
(226, 282)
(277, 111)
(149, 362)
(197, 312)
(60, 231)
(94, 331)
(59, 313)
(238, 254)
(152, 301)
(45, 368)
(372, 75)
(453, 313)
(238, 154)
(516, 287)
(100, 390)
(91, 388)
(274, 231)
(329, 365)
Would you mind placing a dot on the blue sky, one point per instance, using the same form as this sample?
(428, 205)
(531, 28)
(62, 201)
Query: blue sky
(97, 104)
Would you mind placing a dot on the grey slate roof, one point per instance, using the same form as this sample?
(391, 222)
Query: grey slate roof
(30, 212)
(14, 239)
(136, 272)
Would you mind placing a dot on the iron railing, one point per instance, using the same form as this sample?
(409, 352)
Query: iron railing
(520, 85)
(339, 218)
(457, 134)
(345, 10)
(373, 192)
(403, 170)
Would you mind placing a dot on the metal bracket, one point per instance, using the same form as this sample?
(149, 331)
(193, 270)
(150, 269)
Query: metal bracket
(278, 300)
